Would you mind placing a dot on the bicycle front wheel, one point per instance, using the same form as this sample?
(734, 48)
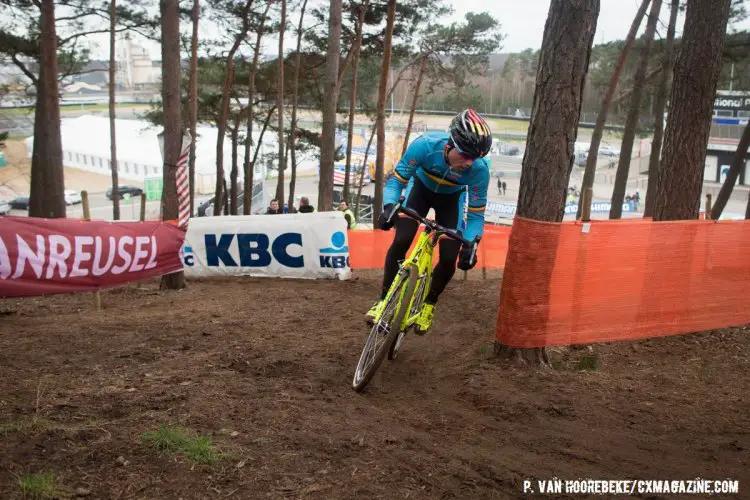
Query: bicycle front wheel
(383, 333)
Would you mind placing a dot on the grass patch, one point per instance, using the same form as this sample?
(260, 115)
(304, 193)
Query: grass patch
(33, 425)
(39, 485)
(590, 363)
(176, 440)
(486, 349)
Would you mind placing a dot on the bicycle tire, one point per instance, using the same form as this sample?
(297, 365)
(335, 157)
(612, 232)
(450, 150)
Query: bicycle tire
(363, 375)
(403, 311)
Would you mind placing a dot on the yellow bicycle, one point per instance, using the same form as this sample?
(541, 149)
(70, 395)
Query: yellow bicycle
(405, 297)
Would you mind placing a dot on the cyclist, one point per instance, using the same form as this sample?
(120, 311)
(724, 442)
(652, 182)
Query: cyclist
(440, 170)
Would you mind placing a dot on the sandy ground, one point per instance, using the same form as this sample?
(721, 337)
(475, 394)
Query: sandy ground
(264, 368)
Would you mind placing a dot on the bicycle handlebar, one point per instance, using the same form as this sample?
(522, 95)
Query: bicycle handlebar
(452, 233)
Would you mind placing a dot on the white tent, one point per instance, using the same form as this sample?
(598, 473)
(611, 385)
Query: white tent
(85, 144)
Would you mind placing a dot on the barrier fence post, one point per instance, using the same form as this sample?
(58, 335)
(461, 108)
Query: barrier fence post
(588, 195)
(85, 203)
(87, 216)
(708, 206)
(143, 207)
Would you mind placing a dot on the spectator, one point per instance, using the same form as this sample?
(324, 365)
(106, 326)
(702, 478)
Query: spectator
(304, 206)
(351, 223)
(274, 208)
(504, 187)
(499, 186)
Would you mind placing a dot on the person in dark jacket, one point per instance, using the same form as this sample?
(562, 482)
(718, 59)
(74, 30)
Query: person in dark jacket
(274, 208)
(304, 206)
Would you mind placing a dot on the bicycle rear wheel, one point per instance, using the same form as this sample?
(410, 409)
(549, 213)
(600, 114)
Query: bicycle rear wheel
(382, 334)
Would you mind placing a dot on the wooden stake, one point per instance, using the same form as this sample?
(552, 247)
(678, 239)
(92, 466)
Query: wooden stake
(85, 202)
(588, 195)
(143, 207)
(586, 198)
(87, 216)
(708, 206)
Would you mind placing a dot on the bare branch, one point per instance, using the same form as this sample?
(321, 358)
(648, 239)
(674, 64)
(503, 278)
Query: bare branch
(23, 68)
(63, 41)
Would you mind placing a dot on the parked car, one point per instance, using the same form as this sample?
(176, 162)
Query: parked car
(20, 203)
(125, 189)
(607, 150)
(4, 207)
(508, 149)
(72, 197)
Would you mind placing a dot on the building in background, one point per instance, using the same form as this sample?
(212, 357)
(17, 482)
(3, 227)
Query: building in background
(134, 66)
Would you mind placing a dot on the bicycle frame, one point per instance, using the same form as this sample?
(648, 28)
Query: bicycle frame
(421, 259)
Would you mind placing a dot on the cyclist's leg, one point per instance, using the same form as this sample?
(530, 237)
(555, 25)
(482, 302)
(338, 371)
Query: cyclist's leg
(447, 210)
(406, 229)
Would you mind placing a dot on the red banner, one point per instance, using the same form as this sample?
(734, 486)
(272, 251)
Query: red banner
(46, 256)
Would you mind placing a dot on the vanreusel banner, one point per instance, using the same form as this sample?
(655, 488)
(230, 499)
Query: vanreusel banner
(46, 256)
(287, 245)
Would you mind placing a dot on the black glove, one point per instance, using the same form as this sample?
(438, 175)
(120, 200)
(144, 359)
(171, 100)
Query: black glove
(465, 259)
(384, 215)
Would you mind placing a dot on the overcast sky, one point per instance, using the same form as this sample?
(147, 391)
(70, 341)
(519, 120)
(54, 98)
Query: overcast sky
(522, 23)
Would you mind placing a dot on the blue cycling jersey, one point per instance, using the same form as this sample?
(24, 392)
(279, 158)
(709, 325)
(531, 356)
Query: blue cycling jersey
(424, 158)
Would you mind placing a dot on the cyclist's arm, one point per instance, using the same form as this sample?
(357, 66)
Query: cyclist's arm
(416, 155)
(477, 203)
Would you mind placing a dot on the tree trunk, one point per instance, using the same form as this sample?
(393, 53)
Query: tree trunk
(280, 106)
(661, 104)
(295, 95)
(380, 120)
(596, 137)
(46, 197)
(234, 174)
(226, 199)
(260, 136)
(414, 100)
(738, 162)
(224, 108)
(350, 130)
(696, 74)
(548, 160)
(330, 100)
(170, 87)
(362, 172)
(193, 101)
(248, 165)
(626, 149)
(353, 96)
(112, 131)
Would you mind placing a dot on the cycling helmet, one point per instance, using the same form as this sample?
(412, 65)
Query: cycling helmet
(470, 134)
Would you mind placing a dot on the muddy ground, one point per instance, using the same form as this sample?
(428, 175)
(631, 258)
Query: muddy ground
(265, 367)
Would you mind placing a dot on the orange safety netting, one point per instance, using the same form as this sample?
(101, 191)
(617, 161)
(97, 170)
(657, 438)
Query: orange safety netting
(571, 283)
(367, 248)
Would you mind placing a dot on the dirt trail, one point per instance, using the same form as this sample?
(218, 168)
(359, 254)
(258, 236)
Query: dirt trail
(272, 360)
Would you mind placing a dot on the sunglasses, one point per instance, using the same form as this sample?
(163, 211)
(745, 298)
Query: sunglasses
(466, 156)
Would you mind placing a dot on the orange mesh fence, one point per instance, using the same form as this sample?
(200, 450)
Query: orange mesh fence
(367, 248)
(573, 283)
